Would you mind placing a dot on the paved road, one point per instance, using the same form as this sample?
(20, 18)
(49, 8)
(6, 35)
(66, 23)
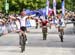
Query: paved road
(36, 46)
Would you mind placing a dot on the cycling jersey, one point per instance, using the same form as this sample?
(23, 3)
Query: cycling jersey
(60, 23)
(22, 21)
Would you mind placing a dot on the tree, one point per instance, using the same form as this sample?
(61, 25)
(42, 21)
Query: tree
(17, 5)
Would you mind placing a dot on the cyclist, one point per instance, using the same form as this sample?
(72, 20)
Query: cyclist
(44, 24)
(22, 20)
(60, 25)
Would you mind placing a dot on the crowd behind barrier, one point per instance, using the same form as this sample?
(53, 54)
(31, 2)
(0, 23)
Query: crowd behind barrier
(8, 25)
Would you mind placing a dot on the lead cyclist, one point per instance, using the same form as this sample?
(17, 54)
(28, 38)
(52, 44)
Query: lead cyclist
(22, 21)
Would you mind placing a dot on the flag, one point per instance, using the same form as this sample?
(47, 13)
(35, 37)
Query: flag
(54, 7)
(63, 8)
(47, 7)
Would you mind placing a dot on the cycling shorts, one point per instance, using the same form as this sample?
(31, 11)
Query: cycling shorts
(23, 28)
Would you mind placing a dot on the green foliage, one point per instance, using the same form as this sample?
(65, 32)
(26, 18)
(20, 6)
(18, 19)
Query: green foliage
(17, 5)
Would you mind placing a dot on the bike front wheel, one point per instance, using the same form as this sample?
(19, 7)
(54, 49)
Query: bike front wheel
(23, 43)
(61, 36)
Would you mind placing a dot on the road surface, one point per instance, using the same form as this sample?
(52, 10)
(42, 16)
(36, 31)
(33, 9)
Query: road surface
(9, 44)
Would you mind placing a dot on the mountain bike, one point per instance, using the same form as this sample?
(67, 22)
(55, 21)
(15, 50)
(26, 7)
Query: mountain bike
(23, 40)
(61, 33)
